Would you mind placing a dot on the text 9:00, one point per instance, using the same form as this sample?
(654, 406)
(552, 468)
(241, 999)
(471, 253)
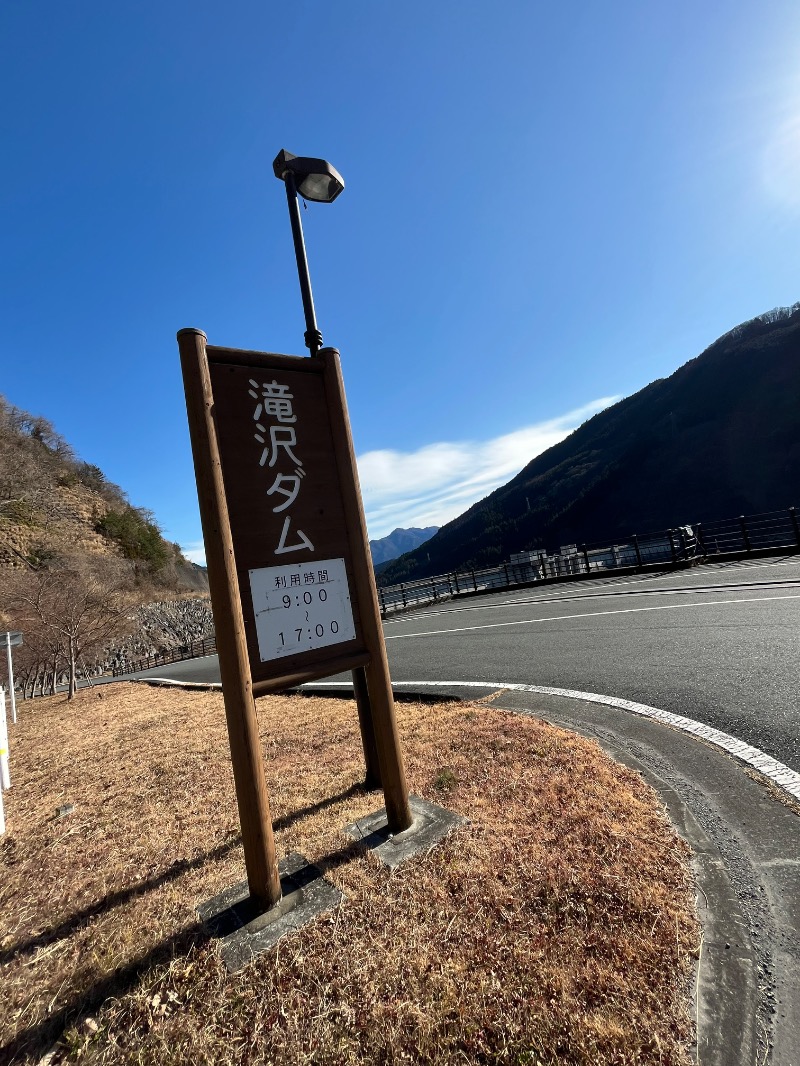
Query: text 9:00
(307, 598)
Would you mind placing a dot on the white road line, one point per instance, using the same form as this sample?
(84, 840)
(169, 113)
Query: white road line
(588, 614)
(610, 581)
(779, 773)
(572, 596)
(166, 681)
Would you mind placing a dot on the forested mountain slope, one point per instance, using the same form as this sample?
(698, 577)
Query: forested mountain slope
(56, 508)
(719, 437)
(78, 564)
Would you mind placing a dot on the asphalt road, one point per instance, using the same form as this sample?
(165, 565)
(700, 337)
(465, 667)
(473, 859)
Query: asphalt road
(719, 644)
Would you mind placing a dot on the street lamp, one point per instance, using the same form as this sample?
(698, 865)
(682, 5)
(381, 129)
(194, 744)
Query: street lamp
(317, 180)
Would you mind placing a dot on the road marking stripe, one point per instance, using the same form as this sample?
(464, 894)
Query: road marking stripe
(781, 775)
(167, 681)
(570, 596)
(588, 614)
(609, 581)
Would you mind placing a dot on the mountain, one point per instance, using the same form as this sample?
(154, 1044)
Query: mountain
(399, 541)
(718, 438)
(56, 510)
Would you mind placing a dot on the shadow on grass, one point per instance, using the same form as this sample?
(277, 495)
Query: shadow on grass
(39, 1038)
(124, 895)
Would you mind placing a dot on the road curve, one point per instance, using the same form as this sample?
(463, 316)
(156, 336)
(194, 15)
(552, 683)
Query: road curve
(717, 645)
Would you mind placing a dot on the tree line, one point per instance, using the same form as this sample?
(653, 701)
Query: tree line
(69, 619)
(76, 624)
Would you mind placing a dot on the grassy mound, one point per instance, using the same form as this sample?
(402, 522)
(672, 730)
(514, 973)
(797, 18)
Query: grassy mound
(558, 926)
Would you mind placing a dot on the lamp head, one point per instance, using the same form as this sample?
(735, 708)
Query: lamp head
(315, 179)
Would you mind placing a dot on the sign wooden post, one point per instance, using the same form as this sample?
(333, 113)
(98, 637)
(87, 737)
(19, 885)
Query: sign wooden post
(261, 864)
(289, 568)
(387, 740)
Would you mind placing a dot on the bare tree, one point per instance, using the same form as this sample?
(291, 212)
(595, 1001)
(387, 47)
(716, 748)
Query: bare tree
(39, 661)
(72, 617)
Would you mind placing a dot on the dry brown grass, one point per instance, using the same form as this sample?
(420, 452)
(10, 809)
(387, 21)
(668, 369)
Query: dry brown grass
(557, 927)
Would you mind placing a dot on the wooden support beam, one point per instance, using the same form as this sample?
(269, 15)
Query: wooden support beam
(387, 740)
(248, 768)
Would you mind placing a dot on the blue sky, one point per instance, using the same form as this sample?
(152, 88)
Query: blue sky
(546, 206)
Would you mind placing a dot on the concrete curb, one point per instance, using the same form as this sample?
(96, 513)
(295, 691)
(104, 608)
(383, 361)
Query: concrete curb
(726, 993)
(780, 775)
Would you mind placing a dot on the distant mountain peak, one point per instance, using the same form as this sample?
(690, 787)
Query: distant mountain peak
(398, 542)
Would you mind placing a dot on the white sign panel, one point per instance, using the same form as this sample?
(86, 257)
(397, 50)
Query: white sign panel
(300, 607)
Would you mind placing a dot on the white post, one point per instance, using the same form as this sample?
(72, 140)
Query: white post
(5, 779)
(11, 680)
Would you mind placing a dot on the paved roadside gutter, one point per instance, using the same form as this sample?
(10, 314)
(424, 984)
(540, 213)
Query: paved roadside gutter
(745, 837)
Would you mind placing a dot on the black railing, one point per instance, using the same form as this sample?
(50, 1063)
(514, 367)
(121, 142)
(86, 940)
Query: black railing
(197, 648)
(681, 546)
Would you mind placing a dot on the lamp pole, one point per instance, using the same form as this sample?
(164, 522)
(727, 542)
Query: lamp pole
(313, 337)
(320, 182)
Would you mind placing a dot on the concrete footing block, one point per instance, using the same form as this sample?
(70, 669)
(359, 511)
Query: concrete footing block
(244, 931)
(431, 824)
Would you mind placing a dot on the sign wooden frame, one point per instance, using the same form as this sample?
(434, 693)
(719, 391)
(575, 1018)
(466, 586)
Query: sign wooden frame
(240, 403)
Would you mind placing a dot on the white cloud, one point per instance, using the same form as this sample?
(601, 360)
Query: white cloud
(439, 481)
(195, 552)
(436, 483)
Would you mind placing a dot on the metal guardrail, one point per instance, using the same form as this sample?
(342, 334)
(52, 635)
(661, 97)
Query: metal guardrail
(171, 655)
(670, 547)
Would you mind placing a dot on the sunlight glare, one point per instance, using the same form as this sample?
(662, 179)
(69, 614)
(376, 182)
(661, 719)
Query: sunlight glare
(781, 164)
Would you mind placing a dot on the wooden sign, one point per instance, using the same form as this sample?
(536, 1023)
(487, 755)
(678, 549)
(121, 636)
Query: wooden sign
(284, 493)
(289, 568)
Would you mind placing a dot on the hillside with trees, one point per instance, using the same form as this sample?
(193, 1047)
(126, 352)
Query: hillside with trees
(78, 561)
(53, 505)
(719, 437)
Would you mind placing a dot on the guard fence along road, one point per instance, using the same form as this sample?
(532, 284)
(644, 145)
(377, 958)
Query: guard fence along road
(195, 650)
(682, 546)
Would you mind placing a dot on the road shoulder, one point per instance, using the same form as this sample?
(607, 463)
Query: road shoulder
(745, 835)
(746, 845)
